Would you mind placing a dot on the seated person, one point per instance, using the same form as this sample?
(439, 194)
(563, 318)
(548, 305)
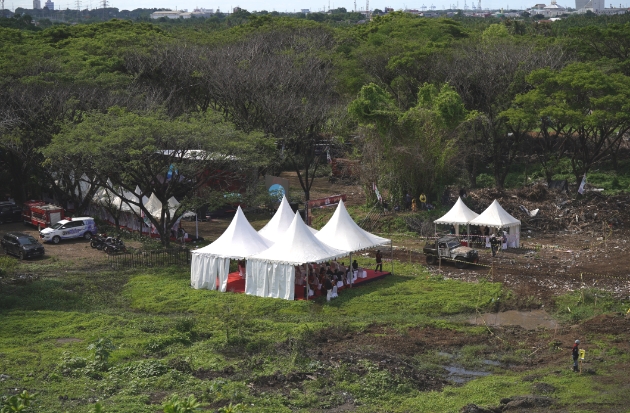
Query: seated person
(355, 265)
(312, 283)
(330, 269)
(326, 286)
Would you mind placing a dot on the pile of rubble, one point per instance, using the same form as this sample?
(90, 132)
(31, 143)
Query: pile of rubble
(545, 209)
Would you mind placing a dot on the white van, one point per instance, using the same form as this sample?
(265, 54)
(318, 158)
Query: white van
(80, 227)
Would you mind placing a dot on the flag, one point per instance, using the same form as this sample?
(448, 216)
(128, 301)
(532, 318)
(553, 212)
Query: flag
(582, 185)
(378, 194)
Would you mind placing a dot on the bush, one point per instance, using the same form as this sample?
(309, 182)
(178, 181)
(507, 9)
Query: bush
(7, 266)
(175, 405)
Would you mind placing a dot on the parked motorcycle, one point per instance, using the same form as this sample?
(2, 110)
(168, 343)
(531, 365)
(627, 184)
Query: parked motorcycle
(114, 245)
(98, 241)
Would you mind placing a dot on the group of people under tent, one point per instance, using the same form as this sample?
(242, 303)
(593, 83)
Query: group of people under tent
(327, 278)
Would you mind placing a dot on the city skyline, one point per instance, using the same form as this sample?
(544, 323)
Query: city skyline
(290, 7)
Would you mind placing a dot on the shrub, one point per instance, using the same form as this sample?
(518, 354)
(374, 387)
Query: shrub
(175, 405)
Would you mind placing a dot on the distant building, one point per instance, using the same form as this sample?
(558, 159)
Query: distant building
(37, 4)
(170, 14)
(306, 11)
(203, 12)
(598, 7)
(50, 5)
(554, 10)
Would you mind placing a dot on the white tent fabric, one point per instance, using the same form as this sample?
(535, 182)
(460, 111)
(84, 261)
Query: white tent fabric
(299, 246)
(239, 240)
(270, 279)
(343, 233)
(280, 222)
(154, 206)
(271, 273)
(496, 217)
(209, 269)
(459, 214)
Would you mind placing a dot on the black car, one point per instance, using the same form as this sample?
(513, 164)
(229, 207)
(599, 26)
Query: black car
(22, 245)
(9, 212)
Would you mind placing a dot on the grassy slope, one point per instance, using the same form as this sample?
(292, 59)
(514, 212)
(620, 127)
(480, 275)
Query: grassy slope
(164, 330)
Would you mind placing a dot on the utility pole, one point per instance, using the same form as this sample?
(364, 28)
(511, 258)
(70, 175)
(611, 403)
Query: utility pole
(367, 9)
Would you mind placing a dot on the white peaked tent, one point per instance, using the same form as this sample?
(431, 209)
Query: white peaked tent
(280, 222)
(460, 214)
(154, 206)
(343, 233)
(271, 273)
(240, 240)
(496, 217)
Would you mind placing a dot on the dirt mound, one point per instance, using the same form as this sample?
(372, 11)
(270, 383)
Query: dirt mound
(515, 403)
(556, 209)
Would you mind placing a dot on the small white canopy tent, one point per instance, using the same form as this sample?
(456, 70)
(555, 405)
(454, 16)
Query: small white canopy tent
(280, 222)
(496, 217)
(271, 273)
(460, 214)
(240, 240)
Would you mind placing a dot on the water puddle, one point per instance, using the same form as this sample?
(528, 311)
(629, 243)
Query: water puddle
(461, 375)
(529, 320)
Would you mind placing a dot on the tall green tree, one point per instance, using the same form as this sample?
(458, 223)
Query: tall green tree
(488, 73)
(408, 151)
(583, 107)
(167, 157)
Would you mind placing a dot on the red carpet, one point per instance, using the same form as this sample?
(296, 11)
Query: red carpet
(236, 284)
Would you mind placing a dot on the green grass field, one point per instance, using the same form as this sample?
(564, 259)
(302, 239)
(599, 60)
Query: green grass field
(170, 339)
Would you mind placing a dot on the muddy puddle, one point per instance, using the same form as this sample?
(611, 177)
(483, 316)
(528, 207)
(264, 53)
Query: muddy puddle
(529, 320)
(461, 375)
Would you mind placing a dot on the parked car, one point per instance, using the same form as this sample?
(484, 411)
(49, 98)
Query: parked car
(21, 245)
(80, 227)
(449, 248)
(9, 212)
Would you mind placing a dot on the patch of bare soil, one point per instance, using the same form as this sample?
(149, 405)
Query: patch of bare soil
(77, 251)
(323, 187)
(66, 340)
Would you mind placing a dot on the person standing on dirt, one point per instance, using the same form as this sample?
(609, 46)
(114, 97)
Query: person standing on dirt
(494, 244)
(575, 352)
(379, 261)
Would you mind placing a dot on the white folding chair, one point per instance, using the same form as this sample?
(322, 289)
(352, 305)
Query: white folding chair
(334, 292)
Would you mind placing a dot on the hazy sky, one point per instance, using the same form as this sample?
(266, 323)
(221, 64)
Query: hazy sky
(290, 6)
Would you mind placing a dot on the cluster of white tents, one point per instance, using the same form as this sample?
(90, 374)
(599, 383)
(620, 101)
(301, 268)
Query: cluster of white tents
(273, 252)
(493, 217)
(130, 215)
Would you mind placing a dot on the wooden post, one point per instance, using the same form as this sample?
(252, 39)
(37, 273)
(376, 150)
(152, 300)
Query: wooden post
(391, 245)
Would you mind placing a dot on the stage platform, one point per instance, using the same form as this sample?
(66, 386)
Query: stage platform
(236, 284)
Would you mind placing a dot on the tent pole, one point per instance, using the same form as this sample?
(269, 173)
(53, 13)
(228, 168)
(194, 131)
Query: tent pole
(307, 286)
(391, 246)
(351, 271)
(196, 226)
